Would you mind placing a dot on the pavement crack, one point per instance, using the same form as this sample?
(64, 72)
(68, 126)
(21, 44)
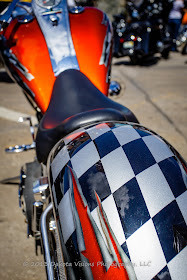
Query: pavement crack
(148, 99)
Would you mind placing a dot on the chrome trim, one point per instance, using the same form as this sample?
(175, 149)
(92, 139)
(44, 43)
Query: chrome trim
(54, 19)
(20, 148)
(23, 11)
(16, 10)
(41, 189)
(58, 37)
(107, 42)
(52, 225)
(44, 229)
(52, 12)
(25, 19)
(6, 15)
(76, 10)
(13, 59)
(38, 189)
(114, 88)
(15, 76)
(24, 147)
(25, 119)
(37, 212)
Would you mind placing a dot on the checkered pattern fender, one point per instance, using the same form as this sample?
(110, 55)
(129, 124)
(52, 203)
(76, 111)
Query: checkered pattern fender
(133, 187)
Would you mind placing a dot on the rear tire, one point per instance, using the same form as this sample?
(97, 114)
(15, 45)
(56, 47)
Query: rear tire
(184, 50)
(165, 54)
(134, 60)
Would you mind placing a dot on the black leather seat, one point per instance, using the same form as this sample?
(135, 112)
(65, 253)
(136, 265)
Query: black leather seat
(75, 102)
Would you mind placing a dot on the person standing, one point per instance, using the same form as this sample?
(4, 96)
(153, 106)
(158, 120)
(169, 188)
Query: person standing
(175, 18)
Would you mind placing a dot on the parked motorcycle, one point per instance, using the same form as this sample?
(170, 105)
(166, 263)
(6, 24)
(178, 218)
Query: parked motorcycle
(182, 39)
(105, 198)
(131, 39)
(146, 34)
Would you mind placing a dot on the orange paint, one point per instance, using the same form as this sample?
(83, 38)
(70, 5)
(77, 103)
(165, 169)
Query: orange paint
(100, 126)
(28, 45)
(111, 238)
(88, 34)
(92, 252)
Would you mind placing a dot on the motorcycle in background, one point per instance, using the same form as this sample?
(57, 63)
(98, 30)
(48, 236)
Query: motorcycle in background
(157, 14)
(146, 34)
(182, 39)
(105, 198)
(131, 39)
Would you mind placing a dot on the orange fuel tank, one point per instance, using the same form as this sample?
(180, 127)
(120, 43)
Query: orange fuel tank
(91, 35)
(29, 58)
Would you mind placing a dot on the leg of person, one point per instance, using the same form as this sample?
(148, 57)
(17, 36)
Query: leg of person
(171, 23)
(176, 31)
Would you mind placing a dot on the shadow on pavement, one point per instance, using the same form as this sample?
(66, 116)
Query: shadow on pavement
(4, 78)
(150, 61)
(11, 181)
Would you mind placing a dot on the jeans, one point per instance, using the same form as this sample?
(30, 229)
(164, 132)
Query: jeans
(174, 30)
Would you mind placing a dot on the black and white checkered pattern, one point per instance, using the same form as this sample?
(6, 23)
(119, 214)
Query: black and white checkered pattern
(142, 189)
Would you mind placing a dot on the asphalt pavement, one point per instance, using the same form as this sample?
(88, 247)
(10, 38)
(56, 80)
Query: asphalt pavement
(157, 94)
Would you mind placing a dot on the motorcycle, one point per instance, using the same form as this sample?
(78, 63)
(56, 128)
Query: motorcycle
(131, 39)
(145, 34)
(182, 39)
(105, 198)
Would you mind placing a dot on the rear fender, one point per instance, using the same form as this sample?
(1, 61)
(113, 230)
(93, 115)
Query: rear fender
(90, 247)
(113, 185)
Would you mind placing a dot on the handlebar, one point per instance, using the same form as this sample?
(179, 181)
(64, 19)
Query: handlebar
(6, 15)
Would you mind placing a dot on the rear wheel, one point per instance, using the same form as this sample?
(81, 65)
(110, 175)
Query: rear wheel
(134, 60)
(184, 50)
(165, 54)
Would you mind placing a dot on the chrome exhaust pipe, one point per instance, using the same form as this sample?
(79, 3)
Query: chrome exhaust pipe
(45, 240)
